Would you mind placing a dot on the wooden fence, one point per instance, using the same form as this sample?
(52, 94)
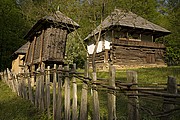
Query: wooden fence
(55, 91)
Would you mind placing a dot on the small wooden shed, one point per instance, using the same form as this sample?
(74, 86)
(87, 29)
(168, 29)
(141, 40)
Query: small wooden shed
(48, 39)
(19, 59)
(127, 40)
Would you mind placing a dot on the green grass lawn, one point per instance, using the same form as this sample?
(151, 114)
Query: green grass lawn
(13, 107)
(146, 76)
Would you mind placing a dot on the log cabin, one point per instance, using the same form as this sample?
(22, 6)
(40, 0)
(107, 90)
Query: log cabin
(19, 59)
(127, 41)
(48, 39)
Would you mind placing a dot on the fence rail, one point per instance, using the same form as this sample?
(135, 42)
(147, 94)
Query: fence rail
(57, 88)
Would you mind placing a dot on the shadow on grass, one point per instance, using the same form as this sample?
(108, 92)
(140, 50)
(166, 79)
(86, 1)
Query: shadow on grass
(13, 107)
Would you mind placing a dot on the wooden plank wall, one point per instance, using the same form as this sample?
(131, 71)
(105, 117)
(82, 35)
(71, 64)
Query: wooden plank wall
(50, 46)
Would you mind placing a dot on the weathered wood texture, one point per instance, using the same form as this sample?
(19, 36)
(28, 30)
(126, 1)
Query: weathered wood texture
(48, 46)
(59, 95)
(172, 89)
(133, 54)
(133, 102)
(54, 91)
(74, 104)
(95, 99)
(84, 103)
(138, 53)
(48, 92)
(67, 96)
(69, 110)
(112, 95)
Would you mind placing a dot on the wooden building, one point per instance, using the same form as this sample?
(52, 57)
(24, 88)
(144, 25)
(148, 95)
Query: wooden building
(127, 40)
(19, 59)
(48, 39)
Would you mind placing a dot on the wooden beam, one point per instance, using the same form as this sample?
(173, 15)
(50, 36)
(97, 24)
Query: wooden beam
(41, 49)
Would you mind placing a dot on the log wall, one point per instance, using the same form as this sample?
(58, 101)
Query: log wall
(133, 54)
(138, 54)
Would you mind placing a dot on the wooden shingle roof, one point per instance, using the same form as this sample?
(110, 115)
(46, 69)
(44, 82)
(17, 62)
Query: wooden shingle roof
(128, 19)
(57, 19)
(23, 49)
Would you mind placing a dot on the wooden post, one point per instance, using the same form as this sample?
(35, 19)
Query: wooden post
(25, 81)
(20, 86)
(32, 75)
(13, 83)
(67, 95)
(54, 91)
(42, 87)
(172, 89)
(133, 102)
(30, 89)
(111, 95)
(83, 109)
(8, 78)
(96, 114)
(48, 91)
(59, 99)
(17, 85)
(74, 105)
(37, 90)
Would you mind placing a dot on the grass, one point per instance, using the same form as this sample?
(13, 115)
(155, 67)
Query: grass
(145, 76)
(13, 107)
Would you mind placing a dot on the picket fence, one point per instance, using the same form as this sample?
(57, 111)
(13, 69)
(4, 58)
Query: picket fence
(55, 91)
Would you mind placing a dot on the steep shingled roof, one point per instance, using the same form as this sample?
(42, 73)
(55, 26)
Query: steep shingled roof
(128, 19)
(58, 19)
(23, 49)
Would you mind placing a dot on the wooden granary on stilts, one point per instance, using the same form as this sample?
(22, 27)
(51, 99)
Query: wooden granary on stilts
(48, 40)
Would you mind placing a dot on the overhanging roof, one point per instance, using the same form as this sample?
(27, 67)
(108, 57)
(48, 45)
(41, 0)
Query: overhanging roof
(128, 19)
(23, 49)
(57, 19)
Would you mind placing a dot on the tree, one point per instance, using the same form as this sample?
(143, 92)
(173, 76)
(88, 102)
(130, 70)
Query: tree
(12, 31)
(171, 10)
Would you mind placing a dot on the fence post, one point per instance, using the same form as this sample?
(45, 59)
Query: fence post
(24, 87)
(48, 91)
(32, 75)
(29, 87)
(36, 89)
(111, 95)
(96, 114)
(171, 88)
(59, 97)
(39, 89)
(54, 91)
(8, 77)
(67, 95)
(74, 105)
(133, 102)
(42, 86)
(17, 85)
(20, 86)
(13, 83)
(83, 109)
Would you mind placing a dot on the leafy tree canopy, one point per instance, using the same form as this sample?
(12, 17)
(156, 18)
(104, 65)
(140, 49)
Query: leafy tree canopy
(18, 16)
